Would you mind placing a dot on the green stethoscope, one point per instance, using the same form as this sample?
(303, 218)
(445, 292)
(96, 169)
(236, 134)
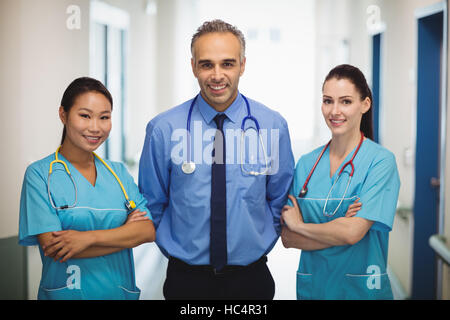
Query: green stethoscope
(129, 204)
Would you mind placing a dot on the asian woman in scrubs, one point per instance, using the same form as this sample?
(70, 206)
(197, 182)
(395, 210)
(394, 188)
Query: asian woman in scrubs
(343, 257)
(83, 229)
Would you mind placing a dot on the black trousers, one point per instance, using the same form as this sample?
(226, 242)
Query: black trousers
(187, 282)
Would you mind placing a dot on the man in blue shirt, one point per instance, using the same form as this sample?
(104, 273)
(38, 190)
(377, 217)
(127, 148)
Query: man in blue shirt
(217, 220)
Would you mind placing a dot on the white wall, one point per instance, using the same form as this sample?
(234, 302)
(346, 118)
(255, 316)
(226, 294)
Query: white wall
(36, 46)
(281, 58)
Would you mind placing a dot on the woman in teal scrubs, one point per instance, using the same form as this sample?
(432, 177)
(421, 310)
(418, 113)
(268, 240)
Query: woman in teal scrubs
(80, 221)
(344, 256)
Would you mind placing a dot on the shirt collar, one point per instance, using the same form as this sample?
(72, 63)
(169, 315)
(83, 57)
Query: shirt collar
(208, 112)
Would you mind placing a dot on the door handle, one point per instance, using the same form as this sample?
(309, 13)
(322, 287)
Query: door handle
(435, 182)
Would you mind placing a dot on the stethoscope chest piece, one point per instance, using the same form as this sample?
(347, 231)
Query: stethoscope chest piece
(303, 192)
(188, 167)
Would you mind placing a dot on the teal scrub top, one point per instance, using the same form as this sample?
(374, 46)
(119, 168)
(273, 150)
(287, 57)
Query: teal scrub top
(98, 207)
(351, 271)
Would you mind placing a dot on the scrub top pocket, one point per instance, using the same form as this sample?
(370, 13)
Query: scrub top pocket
(130, 294)
(367, 287)
(304, 286)
(313, 208)
(64, 293)
(332, 206)
(85, 218)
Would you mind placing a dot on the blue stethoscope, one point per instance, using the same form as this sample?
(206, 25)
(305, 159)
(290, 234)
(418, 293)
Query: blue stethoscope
(188, 166)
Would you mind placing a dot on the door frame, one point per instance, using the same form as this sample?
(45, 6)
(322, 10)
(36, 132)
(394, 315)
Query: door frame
(378, 29)
(420, 13)
(378, 122)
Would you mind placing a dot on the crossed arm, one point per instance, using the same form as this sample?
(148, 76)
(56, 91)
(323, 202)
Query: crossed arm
(347, 230)
(69, 244)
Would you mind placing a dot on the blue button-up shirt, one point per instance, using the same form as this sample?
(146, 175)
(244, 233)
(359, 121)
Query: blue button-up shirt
(180, 203)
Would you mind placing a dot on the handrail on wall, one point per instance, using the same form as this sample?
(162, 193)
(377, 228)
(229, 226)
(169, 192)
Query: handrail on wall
(438, 244)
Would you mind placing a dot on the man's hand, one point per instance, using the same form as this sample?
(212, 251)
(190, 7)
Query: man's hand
(291, 216)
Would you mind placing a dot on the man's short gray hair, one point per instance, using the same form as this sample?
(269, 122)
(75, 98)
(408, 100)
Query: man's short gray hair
(219, 26)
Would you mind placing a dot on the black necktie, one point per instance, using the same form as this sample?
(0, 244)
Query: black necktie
(218, 235)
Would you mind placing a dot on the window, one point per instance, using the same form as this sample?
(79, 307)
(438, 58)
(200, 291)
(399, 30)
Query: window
(108, 43)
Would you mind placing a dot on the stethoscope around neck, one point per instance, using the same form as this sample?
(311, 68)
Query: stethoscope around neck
(304, 190)
(129, 204)
(188, 166)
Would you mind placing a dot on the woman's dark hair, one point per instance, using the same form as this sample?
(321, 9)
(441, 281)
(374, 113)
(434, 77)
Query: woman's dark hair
(355, 76)
(77, 88)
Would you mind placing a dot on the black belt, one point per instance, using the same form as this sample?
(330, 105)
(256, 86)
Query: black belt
(181, 265)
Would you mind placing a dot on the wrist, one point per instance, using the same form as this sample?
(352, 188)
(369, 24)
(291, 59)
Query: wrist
(92, 237)
(299, 227)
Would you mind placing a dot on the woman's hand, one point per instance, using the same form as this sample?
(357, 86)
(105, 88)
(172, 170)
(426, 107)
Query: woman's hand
(136, 215)
(353, 208)
(291, 216)
(68, 243)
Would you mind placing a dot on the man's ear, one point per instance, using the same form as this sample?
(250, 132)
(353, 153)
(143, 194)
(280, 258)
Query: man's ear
(193, 67)
(243, 66)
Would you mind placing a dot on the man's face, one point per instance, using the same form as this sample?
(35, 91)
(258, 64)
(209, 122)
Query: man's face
(217, 65)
